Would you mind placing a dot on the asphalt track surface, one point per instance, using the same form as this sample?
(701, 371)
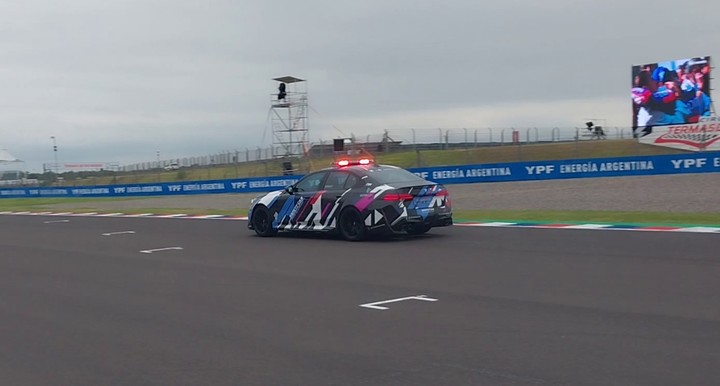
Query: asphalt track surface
(513, 306)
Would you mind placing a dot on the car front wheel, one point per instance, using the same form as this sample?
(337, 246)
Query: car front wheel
(262, 222)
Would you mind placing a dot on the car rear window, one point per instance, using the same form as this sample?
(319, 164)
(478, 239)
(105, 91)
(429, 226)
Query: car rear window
(392, 175)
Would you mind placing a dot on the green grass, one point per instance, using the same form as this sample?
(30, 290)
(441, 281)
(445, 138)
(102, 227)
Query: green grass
(532, 152)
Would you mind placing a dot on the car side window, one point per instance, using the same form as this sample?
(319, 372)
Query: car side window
(335, 180)
(310, 183)
(351, 181)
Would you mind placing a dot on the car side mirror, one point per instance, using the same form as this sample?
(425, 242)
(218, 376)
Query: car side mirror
(290, 189)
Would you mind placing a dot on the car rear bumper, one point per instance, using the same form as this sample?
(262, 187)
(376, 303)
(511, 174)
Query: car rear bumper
(433, 220)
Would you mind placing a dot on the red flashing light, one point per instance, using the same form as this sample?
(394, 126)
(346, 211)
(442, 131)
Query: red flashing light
(398, 197)
(347, 162)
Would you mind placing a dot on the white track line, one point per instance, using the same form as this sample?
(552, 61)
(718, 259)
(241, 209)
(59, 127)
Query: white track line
(161, 249)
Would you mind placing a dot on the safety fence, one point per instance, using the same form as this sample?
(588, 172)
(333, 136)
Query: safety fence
(515, 171)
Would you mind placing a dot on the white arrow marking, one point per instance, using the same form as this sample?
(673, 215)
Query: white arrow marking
(56, 221)
(118, 233)
(161, 249)
(374, 305)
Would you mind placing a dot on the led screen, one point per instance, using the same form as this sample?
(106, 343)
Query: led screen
(670, 92)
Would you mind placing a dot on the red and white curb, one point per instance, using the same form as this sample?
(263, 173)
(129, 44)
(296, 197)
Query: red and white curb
(608, 227)
(492, 224)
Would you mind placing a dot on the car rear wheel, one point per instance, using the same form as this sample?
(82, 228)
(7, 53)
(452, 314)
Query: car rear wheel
(352, 226)
(262, 222)
(418, 229)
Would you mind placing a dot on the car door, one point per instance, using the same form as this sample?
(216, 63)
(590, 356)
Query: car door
(336, 185)
(306, 197)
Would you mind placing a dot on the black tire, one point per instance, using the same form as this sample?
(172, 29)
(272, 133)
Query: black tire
(351, 225)
(262, 222)
(418, 229)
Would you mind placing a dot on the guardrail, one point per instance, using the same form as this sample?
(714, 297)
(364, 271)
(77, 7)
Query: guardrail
(516, 171)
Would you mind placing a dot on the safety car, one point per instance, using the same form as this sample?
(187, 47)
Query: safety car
(354, 198)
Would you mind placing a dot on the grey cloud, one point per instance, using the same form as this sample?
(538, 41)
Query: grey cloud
(115, 77)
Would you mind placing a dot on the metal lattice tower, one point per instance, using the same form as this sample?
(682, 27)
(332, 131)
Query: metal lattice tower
(289, 120)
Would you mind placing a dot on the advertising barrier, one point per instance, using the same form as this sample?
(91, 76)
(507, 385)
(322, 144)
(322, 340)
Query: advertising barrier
(241, 185)
(577, 168)
(706, 162)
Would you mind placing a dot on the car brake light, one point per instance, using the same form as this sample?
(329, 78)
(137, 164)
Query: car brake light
(398, 197)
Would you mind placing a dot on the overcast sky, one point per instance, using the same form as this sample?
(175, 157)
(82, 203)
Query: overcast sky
(118, 80)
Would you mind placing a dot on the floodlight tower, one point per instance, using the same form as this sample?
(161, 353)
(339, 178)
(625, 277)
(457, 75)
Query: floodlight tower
(289, 114)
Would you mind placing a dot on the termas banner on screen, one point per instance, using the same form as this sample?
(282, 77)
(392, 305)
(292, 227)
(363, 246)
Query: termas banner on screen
(701, 136)
(673, 92)
(517, 171)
